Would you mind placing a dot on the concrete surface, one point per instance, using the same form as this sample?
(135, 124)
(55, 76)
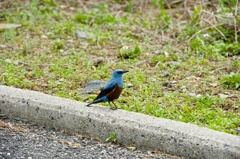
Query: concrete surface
(133, 129)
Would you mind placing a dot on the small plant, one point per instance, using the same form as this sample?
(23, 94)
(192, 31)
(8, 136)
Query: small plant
(119, 1)
(196, 15)
(231, 81)
(58, 44)
(112, 137)
(128, 53)
(163, 18)
(95, 18)
(130, 6)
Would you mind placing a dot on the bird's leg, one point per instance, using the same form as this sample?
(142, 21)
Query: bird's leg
(114, 105)
(110, 105)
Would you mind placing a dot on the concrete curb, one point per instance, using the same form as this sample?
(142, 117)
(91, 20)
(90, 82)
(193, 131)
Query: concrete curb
(132, 129)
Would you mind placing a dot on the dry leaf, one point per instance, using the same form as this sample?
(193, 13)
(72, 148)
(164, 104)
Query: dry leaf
(214, 84)
(9, 26)
(3, 116)
(2, 124)
(166, 54)
(131, 148)
(75, 144)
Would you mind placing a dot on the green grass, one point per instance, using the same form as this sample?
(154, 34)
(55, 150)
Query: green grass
(45, 55)
(232, 81)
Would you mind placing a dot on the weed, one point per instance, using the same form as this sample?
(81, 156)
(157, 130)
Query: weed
(126, 52)
(58, 44)
(231, 81)
(196, 15)
(95, 18)
(112, 137)
(164, 19)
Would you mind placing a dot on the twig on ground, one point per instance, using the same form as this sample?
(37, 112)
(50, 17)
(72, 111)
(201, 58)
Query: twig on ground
(217, 69)
(235, 23)
(206, 28)
(205, 20)
(214, 9)
(236, 18)
(230, 7)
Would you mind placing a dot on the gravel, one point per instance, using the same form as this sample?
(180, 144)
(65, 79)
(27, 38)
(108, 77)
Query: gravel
(29, 141)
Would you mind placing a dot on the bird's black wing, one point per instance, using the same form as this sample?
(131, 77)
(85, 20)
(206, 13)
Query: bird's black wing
(111, 85)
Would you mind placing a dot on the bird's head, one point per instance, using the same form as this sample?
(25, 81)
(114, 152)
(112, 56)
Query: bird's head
(119, 72)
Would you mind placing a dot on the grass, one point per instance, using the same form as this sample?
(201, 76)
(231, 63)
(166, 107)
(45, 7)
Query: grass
(199, 51)
(112, 137)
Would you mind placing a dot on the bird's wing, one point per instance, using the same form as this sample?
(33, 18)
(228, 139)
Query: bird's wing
(111, 85)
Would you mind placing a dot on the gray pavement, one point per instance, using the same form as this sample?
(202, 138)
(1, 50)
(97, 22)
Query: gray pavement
(132, 129)
(29, 141)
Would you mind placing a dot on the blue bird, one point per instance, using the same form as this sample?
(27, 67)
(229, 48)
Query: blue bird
(112, 90)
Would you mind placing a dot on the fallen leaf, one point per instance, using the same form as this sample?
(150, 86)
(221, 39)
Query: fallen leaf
(173, 82)
(9, 26)
(190, 77)
(64, 141)
(166, 54)
(2, 124)
(3, 116)
(199, 95)
(223, 96)
(214, 84)
(75, 144)
(193, 94)
(131, 148)
(8, 60)
(18, 128)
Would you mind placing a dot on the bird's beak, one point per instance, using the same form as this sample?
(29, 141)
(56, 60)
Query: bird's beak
(125, 71)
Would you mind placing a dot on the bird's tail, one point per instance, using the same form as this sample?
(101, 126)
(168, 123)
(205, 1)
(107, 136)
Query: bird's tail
(96, 101)
(89, 104)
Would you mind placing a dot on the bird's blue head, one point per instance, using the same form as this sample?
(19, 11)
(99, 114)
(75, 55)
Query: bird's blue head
(118, 73)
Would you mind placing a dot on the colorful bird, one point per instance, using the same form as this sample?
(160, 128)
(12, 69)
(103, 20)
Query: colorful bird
(112, 90)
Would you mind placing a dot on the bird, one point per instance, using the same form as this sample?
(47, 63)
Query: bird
(112, 90)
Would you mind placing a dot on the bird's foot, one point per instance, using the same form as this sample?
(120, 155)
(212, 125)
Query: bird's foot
(113, 108)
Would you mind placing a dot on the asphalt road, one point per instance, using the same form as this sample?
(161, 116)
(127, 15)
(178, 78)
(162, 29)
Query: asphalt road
(28, 141)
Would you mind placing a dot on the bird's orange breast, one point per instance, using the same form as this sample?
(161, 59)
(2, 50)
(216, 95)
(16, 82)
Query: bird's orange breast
(115, 93)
